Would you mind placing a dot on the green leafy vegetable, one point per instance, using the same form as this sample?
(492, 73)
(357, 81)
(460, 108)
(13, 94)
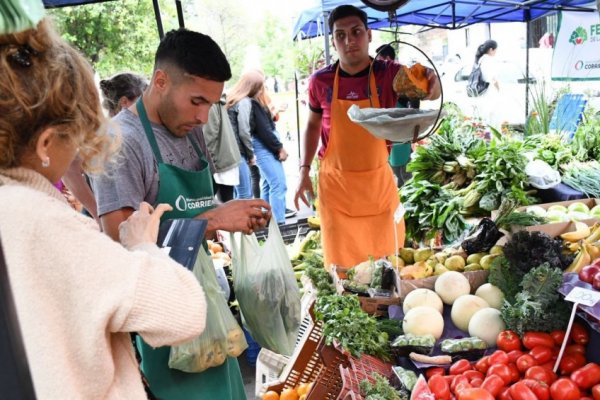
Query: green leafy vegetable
(381, 389)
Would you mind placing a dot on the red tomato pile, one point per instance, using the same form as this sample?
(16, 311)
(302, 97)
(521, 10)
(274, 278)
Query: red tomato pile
(522, 370)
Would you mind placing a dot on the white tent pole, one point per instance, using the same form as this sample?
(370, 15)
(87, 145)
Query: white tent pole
(326, 35)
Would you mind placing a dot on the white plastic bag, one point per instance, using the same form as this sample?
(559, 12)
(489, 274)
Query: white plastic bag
(266, 290)
(222, 336)
(541, 175)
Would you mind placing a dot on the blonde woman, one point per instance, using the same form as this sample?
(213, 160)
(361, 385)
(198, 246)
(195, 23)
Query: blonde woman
(77, 292)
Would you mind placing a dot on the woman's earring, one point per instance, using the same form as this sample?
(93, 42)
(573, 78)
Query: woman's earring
(46, 162)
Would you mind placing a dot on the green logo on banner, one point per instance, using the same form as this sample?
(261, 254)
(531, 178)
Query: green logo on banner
(578, 36)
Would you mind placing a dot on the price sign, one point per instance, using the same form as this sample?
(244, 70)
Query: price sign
(583, 296)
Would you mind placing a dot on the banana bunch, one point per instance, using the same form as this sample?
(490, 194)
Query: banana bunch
(585, 241)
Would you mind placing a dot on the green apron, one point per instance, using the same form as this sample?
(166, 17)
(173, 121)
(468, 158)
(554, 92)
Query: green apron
(190, 193)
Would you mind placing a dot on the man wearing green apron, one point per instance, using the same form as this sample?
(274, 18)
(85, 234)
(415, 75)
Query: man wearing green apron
(162, 161)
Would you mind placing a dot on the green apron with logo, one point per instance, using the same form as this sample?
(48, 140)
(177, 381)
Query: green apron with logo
(189, 193)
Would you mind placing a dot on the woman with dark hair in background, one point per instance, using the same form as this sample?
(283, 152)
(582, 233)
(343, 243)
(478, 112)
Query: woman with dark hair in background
(121, 91)
(486, 103)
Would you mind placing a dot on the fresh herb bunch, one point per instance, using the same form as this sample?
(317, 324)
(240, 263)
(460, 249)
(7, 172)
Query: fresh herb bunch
(321, 280)
(553, 149)
(502, 174)
(537, 307)
(381, 389)
(586, 141)
(531, 249)
(356, 331)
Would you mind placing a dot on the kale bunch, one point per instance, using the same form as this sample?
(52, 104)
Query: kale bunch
(527, 250)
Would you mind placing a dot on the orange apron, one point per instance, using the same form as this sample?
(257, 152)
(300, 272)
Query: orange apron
(356, 189)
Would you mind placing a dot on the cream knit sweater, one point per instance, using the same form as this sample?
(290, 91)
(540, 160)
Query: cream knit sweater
(78, 294)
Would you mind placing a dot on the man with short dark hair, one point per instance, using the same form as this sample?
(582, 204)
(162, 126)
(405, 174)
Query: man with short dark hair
(357, 192)
(164, 161)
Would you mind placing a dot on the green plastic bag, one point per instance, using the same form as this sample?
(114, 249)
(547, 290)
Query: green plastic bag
(222, 336)
(20, 15)
(266, 290)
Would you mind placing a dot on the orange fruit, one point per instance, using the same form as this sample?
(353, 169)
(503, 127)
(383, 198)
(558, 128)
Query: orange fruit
(270, 395)
(288, 394)
(303, 388)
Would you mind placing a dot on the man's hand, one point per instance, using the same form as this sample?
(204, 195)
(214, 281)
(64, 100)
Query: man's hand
(142, 225)
(252, 161)
(244, 216)
(434, 85)
(304, 187)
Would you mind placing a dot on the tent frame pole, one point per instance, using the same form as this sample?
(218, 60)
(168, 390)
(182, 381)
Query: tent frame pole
(159, 24)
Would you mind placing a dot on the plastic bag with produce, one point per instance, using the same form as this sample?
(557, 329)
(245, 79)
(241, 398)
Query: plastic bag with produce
(222, 337)
(266, 289)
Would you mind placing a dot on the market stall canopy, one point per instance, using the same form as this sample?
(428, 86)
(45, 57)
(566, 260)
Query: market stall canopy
(447, 14)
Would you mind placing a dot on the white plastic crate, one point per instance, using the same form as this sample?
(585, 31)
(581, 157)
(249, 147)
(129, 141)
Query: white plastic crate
(268, 368)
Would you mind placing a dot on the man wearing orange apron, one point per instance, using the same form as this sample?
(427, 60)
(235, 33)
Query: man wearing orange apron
(358, 198)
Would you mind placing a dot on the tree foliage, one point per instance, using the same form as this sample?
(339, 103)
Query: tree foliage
(115, 35)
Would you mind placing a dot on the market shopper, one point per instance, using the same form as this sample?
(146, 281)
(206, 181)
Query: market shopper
(356, 188)
(487, 103)
(77, 293)
(268, 149)
(162, 161)
(119, 91)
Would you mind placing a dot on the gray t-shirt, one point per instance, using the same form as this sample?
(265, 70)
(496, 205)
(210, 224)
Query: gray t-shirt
(133, 177)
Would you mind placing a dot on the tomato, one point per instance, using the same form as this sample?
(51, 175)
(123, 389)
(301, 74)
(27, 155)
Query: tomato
(458, 380)
(475, 394)
(579, 334)
(541, 374)
(525, 362)
(502, 371)
(514, 355)
(564, 389)
(541, 354)
(499, 357)
(534, 339)
(575, 348)
(439, 387)
(586, 376)
(596, 392)
(570, 362)
(514, 372)
(558, 336)
(505, 394)
(434, 371)
(471, 374)
(459, 367)
(493, 384)
(508, 341)
(540, 389)
(483, 364)
(477, 382)
(520, 391)
(449, 378)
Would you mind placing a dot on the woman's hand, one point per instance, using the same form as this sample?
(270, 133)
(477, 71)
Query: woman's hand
(283, 155)
(142, 226)
(244, 216)
(252, 161)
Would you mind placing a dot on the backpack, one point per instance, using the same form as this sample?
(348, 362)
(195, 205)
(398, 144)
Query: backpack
(476, 86)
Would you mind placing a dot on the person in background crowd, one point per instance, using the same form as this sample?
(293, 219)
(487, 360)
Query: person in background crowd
(268, 149)
(77, 293)
(223, 150)
(487, 103)
(119, 91)
(357, 193)
(399, 152)
(162, 162)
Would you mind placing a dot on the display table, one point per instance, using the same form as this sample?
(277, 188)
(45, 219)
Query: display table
(560, 192)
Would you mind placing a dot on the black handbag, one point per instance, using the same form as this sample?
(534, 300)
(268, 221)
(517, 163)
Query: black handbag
(476, 86)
